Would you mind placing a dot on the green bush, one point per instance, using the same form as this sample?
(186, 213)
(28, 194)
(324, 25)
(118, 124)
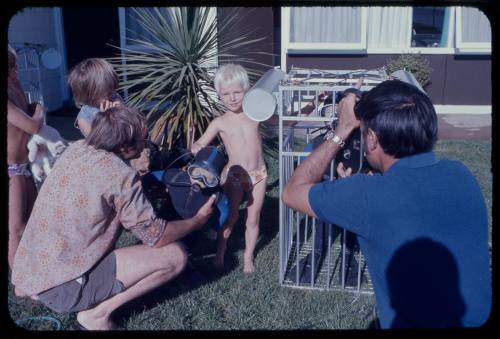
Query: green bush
(417, 64)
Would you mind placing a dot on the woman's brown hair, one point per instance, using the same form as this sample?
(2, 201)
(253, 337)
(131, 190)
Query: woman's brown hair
(116, 128)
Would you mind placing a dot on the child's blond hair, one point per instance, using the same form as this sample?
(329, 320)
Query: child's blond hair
(92, 81)
(231, 74)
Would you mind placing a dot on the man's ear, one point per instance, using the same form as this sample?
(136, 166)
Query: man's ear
(371, 140)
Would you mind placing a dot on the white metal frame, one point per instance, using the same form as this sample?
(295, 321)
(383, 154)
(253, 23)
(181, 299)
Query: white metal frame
(29, 73)
(294, 244)
(321, 47)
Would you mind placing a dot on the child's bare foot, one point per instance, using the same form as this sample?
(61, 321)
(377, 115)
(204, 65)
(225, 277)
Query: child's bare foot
(248, 266)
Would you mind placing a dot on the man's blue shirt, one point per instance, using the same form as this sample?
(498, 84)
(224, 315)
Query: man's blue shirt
(423, 228)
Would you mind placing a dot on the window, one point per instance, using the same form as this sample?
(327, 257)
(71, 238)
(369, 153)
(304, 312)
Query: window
(388, 29)
(429, 27)
(410, 29)
(133, 29)
(402, 29)
(324, 28)
(473, 30)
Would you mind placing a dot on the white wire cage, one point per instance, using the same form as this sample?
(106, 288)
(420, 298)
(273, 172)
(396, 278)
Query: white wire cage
(314, 254)
(28, 66)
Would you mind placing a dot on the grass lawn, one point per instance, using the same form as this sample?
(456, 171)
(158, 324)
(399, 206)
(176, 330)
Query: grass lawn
(202, 299)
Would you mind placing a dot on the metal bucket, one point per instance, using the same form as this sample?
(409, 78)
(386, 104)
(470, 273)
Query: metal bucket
(260, 102)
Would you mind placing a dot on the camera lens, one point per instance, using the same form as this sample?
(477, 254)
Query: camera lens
(340, 95)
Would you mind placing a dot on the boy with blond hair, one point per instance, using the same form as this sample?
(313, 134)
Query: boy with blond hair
(245, 171)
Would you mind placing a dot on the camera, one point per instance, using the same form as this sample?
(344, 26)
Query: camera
(340, 95)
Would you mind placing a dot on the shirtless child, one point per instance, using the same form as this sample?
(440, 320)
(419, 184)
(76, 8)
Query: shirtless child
(246, 171)
(20, 127)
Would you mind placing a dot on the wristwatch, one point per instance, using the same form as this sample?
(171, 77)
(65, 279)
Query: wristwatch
(331, 136)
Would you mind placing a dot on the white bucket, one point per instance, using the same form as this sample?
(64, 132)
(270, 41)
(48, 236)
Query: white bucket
(259, 103)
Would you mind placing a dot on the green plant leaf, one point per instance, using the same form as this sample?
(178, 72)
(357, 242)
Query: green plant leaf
(170, 75)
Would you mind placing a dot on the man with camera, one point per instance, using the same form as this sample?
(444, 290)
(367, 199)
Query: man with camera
(421, 222)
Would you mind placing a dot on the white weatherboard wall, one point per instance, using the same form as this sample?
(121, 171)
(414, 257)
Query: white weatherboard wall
(42, 27)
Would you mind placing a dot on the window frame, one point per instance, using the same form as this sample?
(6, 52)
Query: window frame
(449, 49)
(454, 43)
(469, 47)
(321, 47)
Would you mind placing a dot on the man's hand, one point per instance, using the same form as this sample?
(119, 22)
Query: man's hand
(347, 120)
(178, 229)
(205, 211)
(342, 171)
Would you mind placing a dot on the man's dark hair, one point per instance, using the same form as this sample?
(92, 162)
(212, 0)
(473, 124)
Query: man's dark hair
(402, 117)
(116, 128)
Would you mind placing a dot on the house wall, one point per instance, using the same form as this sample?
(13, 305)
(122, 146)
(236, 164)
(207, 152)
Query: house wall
(455, 80)
(37, 26)
(256, 22)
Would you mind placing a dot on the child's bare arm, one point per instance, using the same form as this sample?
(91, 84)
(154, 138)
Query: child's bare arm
(23, 121)
(207, 137)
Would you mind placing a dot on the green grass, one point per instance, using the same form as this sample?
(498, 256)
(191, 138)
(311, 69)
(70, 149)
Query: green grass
(202, 299)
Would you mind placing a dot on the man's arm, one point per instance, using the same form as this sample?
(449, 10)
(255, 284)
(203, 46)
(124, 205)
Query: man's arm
(296, 192)
(23, 121)
(178, 229)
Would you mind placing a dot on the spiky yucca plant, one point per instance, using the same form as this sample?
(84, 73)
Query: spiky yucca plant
(175, 66)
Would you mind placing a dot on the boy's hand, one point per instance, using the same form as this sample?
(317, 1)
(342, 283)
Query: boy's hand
(205, 211)
(38, 115)
(195, 148)
(107, 104)
(141, 164)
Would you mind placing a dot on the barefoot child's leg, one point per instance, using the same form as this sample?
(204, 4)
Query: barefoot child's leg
(21, 197)
(252, 225)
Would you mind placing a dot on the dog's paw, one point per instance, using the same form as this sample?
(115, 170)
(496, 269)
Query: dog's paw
(37, 172)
